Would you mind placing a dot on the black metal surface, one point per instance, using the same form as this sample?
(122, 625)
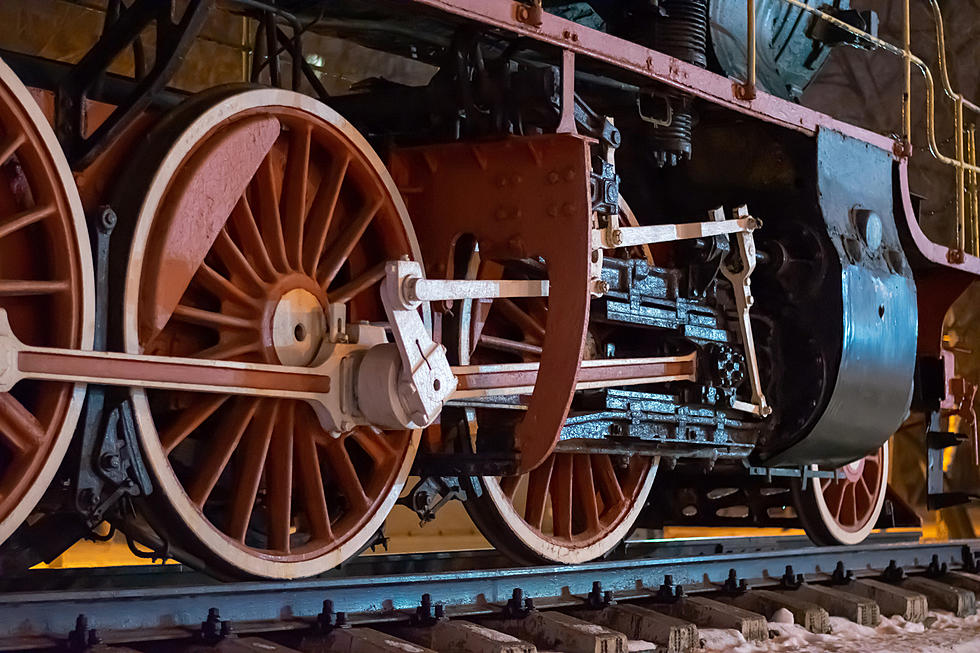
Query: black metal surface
(47, 74)
(173, 41)
(152, 602)
(875, 351)
(107, 461)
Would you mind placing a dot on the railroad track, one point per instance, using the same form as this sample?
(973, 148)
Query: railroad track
(462, 601)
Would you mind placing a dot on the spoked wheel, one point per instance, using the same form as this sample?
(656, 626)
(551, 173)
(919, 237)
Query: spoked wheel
(46, 289)
(254, 486)
(844, 511)
(574, 507)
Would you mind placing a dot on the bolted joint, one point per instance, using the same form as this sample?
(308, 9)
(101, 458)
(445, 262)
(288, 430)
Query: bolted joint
(107, 219)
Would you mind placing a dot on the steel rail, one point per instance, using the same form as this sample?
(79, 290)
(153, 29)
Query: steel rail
(30, 619)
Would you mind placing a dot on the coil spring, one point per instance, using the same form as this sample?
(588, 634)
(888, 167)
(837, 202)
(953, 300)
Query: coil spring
(681, 33)
(672, 143)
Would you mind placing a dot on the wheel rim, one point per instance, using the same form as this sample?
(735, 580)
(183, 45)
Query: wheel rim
(846, 509)
(257, 484)
(573, 507)
(46, 287)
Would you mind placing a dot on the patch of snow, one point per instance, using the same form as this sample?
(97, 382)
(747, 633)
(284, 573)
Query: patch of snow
(944, 633)
(783, 616)
(720, 639)
(640, 646)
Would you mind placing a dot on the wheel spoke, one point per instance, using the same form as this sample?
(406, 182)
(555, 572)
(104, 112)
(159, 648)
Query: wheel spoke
(18, 426)
(266, 186)
(26, 288)
(375, 444)
(322, 212)
(833, 496)
(254, 449)
(238, 266)
(524, 321)
(295, 188)
(585, 491)
(608, 484)
(509, 485)
(352, 289)
(561, 495)
(845, 515)
(344, 473)
(341, 249)
(226, 439)
(190, 418)
(247, 229)
(279, 479)
(867, 488)
(511, 346)
(26, 218)
(10, 146)
(233, 348)
(216, 321)
(221, 287)
(537, 493)
(311, 484)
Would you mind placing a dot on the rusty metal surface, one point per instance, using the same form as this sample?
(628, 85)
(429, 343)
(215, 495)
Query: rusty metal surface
(523, 197)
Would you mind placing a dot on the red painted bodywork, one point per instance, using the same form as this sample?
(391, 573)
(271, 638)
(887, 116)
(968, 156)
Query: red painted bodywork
(524, 197)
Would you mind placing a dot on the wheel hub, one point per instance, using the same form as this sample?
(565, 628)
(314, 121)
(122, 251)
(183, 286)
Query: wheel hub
(854, 471)
(298, 327)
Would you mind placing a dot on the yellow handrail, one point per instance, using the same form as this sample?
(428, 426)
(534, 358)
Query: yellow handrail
(965, 158)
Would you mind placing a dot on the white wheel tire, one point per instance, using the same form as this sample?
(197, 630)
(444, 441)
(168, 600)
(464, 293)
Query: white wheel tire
(846, 537)
(154, 455)
(63, 438)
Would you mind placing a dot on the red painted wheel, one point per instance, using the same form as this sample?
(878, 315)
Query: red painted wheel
(574, 507)
(46, 289)
(253, 485)
(845, 510)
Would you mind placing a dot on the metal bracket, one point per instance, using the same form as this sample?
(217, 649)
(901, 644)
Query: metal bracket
(110, 464)
(425, 380)
(739, 273)
(430, 494)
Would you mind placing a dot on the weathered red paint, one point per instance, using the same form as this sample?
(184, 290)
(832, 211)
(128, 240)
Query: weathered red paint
(522, 197)
(203, 193)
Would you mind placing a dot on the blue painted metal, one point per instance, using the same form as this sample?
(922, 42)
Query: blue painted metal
(873, 386)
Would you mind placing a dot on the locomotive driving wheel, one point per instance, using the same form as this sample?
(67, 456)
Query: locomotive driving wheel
(845, 510)
(46, 289)
(574, 507)
(254, 485)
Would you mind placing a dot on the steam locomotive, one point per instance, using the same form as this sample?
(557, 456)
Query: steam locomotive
(602, 270)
